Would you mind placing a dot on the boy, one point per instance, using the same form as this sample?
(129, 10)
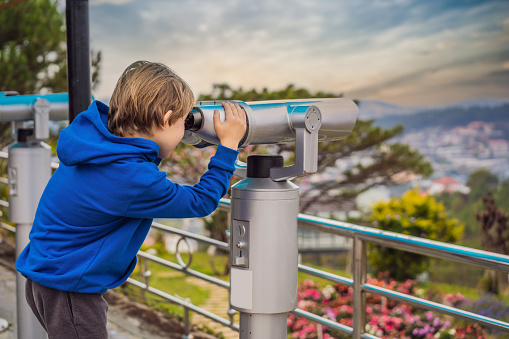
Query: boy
(98, 206)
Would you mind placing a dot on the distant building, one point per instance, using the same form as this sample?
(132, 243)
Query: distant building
(447, 185)
(404, 177)
(499, 147)
(481, 126)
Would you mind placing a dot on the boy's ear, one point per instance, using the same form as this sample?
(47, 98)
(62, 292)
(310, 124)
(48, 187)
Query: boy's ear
(166, 118)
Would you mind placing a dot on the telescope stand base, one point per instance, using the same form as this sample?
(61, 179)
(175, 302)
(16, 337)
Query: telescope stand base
(262, 326)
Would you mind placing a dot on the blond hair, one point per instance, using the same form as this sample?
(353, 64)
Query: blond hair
(143, 94)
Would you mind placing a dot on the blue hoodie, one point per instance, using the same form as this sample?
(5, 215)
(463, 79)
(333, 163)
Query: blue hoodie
(98, 206)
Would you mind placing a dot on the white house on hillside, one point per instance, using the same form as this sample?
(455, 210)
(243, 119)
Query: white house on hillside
(447, 185)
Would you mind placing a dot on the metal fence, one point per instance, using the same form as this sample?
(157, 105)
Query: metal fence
(361, 236)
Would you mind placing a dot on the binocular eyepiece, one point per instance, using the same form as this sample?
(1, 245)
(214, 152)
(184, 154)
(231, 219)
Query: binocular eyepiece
(193, 120)
(275, 121)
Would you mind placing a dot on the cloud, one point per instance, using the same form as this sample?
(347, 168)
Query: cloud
(502, 75)
(361, 47)
(115, 2)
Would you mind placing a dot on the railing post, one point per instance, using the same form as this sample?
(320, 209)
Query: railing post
(359, 279)
(319, 331)
(231, 314)
(186, 325)
(145, 275)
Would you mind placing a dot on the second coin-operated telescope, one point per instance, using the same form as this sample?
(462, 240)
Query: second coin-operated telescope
(305, 121)
(265, 204)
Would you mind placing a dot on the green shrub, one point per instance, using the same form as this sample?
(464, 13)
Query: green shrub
(416, 215)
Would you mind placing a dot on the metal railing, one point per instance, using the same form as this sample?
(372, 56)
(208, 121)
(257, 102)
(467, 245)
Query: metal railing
(361, 236)
(184, 268)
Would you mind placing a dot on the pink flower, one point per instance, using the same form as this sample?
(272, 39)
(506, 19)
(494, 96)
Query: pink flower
(308, 283)
(331, 314)
(310, 328)
(346, 309)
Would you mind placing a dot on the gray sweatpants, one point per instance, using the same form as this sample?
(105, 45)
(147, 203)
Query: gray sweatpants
(68, 315)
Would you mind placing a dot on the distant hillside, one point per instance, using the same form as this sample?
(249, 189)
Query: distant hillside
(374, 109)
(450, 117)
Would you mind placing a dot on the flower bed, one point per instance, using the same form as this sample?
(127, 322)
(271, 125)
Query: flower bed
(385, 318)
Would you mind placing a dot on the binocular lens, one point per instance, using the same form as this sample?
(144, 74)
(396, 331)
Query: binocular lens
(193, 120)
(189, 121)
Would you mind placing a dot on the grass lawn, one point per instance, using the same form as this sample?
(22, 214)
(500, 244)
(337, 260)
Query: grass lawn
(175, 282)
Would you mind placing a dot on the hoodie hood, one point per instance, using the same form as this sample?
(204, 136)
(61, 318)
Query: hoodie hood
(87, 141)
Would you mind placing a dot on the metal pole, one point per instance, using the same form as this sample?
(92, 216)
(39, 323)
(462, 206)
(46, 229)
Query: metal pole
(359, 279)
(78, 56)
(231, 313)
(187, 331)
(29, 169)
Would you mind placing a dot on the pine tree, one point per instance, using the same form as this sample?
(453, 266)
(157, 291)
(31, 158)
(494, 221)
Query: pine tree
(33, 48)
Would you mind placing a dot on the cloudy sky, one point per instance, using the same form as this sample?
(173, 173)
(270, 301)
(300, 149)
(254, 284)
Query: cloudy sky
(406, 52)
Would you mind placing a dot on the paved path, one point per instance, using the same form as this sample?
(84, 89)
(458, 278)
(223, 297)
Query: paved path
(8, 301)
(218, 303)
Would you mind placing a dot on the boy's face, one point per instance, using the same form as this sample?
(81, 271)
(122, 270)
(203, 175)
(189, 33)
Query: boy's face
(168, 137)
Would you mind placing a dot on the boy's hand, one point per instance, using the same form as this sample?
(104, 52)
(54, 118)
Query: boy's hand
(231, 131)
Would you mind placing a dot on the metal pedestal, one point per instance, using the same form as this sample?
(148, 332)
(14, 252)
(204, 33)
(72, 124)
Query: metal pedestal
(263, 325)
(263, 250)
(29, 168)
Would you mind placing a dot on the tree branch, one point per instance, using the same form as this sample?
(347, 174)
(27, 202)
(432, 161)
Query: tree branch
(10, 3)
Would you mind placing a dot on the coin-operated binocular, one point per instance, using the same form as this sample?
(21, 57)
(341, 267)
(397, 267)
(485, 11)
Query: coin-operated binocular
(305, 121)
(29, 169)
(29, 156)
(264, 205)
